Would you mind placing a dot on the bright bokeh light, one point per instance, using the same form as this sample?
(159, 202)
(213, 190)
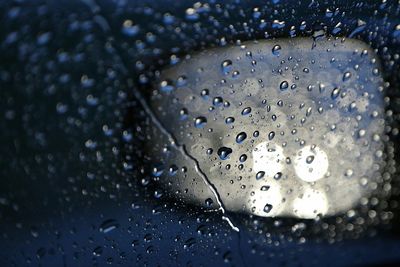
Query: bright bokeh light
(310, 204)
(311, 164)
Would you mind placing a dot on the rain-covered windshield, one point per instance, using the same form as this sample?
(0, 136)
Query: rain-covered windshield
(184, 133)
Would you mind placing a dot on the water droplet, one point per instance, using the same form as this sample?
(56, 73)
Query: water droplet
(129, 29)
(217, 101)
(183, 113)
(318, 34)
(202, 229)
(158, 194)
(227, 257)
(246, 111)
(223, 152)
(396, 32)
(204, 93)
(189, 243)
(271, 135)
(235, 74)
(191, 14)
(346, 76)
(199, 122)
(173, 169)
(267, 208)
(308, 112)
(360, 27)
(98, 251)
(276, 24)
(157, 170)
(256, 13)
(284, 85)
(278, 176)
(348, 173)
(260, 175)
(168, 19)
(147, 238)
(243, 158)
(335, 93)
(229, 120)
(310, 159)
(209, 202)
(241, 137)
(166, 86)
(182, 80)
(264, 188)
(337, 28)
(226, 66)
(276, 50)
(108, 226)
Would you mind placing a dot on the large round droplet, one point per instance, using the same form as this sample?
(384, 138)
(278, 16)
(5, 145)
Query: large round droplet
(284, 85)
(229, 120)
(271, 135)
(241, 137)
(226, 66)
(260, 175)
(199, 122)
(267, 208)
(224, 152)
(246, 111)
(217, 101)
(276, 49)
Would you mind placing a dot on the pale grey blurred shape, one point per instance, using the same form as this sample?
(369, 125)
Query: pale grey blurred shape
(341, 132)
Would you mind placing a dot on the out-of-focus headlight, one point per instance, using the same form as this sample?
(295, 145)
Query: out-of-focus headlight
(289, 127)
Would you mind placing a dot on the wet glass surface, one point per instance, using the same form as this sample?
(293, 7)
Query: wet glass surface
(116, 149)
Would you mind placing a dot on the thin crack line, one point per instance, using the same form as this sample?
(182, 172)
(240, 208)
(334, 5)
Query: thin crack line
(169, 135)
(183, 150)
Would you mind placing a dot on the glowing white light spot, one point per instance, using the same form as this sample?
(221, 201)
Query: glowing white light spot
(310, 204)
(269, 158)
(311, 164)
